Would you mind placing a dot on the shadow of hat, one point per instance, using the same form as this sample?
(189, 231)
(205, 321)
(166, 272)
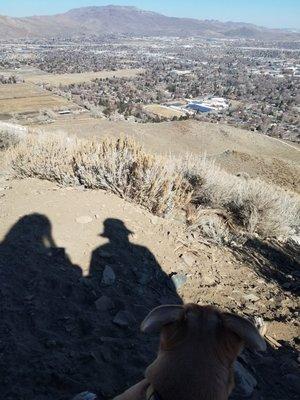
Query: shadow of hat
(114, 227)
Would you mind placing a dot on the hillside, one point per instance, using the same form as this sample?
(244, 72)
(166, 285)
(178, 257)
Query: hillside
(130, 20)
(56, 243)
(236, 150)
(85, 254)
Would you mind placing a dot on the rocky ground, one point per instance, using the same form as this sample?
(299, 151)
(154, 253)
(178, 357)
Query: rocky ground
(79, 271)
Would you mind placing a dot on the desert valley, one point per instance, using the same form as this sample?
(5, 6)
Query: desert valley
(144, 160)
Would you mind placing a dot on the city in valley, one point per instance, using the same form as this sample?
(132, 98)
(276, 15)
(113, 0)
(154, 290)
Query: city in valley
(244, 83)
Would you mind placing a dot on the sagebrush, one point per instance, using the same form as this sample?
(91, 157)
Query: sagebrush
(8, 139)
(120, 166)
(162, 184)
(254, 205)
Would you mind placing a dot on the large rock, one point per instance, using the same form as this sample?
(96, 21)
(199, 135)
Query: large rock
(178, 280)
(123, 319)
(108, 277)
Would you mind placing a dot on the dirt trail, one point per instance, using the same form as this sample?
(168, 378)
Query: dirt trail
(79, 271)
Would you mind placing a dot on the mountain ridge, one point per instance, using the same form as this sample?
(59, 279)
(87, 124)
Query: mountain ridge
(113, 19)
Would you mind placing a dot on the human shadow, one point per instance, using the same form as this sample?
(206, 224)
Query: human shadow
(62, 333)
(131, 283)
(38, 304)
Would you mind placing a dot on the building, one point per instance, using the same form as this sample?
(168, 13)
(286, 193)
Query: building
(208, 104)
(198, 107)
(180, 72)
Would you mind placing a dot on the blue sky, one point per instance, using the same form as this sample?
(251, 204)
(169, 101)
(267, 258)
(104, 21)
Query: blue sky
(271, 13)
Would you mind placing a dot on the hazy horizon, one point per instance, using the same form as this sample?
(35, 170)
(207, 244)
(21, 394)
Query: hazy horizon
(268, 13)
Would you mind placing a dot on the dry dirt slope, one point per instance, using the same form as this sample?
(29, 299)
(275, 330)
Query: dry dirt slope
(235, 150)
(79, 271)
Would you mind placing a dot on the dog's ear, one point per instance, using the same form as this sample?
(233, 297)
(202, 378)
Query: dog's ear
(161, 316)
(245, 330)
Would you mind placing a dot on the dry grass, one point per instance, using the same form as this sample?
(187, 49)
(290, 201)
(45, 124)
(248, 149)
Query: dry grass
(20, 90)
(162, 185)
(23, 98)
(163, 111)
(255, 206)
(34, 104)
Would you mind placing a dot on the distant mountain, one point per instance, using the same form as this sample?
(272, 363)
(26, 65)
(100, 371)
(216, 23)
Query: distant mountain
(130, 20)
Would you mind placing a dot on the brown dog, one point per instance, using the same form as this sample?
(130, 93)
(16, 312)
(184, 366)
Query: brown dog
(198, 346)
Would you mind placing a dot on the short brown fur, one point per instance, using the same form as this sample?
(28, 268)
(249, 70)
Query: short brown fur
(195, 358)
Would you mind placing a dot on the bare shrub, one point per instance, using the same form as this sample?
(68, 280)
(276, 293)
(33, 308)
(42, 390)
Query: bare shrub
(119, 166)
(256, 206)
(266, 209)
(213, 224)
(122, 167)
(162, 184)
(45, 157)
(8, 139)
